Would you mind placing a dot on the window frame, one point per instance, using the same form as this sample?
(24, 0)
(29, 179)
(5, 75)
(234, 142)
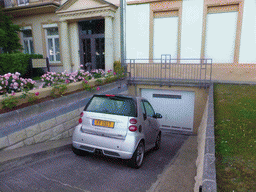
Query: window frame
(29, 39)
(53, 38)
(145, 109)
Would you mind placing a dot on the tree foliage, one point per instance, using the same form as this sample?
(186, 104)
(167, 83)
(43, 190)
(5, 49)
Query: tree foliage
(9, 39)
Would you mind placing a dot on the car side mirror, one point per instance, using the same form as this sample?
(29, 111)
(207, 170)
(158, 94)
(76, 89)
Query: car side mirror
(158, 116)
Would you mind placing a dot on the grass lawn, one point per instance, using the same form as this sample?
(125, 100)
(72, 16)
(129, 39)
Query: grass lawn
(235, 137)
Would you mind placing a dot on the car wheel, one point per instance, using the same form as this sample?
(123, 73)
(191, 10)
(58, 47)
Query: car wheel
(158, 142)
(77, 151)
(138, 156)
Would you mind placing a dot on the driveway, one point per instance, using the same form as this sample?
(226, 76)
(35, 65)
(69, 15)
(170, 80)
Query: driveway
(61, 170)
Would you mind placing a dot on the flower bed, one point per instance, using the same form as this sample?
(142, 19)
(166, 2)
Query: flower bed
(16, 91)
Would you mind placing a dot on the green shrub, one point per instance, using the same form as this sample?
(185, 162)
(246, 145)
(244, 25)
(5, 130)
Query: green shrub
(9, 102)
(118, 69)
(18, 62)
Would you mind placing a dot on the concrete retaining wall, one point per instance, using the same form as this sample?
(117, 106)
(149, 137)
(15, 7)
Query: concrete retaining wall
(50, 120)
(206, 171)
(56, 128)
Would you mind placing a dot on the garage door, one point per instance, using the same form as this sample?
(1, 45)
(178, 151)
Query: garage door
(176, 107)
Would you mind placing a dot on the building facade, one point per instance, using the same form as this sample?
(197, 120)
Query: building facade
(223, 30)
(87, 32)
(70, 33)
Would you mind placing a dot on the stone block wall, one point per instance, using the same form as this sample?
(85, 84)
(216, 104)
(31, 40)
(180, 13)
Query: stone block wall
(50, 120)
(56, 128)
(205, 180)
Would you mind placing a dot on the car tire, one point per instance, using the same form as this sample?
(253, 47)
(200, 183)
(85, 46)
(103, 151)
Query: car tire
(77, 151)
(138, 156)
(158, 142)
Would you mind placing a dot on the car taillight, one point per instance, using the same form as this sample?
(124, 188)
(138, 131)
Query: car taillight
(108, 95)
(81, 114)
(80, 120)
(133, 128)
(133, 121)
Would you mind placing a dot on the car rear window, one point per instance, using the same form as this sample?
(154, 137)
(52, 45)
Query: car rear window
(112, 105)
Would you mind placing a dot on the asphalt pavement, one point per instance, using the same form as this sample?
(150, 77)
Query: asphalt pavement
(177, 176)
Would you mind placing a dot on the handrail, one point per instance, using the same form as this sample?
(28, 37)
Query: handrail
(168, 69)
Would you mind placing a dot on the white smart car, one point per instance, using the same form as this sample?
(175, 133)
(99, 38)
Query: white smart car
(118, 126)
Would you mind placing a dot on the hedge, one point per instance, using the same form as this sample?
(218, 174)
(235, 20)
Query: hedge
(17, 62)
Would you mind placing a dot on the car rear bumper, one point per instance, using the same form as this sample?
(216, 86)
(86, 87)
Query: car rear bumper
(103, 150)
(114, 147)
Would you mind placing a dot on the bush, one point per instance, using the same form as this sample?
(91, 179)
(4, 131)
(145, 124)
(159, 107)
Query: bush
(17, 62)
(118, 69)
(11, 82)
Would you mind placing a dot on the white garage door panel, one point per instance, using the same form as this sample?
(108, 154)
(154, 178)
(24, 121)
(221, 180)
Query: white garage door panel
(176, 107)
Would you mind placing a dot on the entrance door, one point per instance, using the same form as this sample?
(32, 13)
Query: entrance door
(100, 53)
(92, 44)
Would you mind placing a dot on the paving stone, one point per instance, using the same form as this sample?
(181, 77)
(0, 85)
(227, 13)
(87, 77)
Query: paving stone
(58, 129)
(209, 186)
(17, 145)
(32, 130)
(46, 135)
(60, 136)
(209, 146)
(209, 167)
(71, 124)
(47, 124)
(4, 142)
(70, 132)
(17, 137)
(65, 134)
(29, 141)
(61, 119)
(68, 116)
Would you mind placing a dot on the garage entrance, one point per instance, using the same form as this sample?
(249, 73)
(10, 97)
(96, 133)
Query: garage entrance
(176, 107)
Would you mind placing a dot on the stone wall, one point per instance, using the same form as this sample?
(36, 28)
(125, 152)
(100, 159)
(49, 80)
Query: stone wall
(50, 120)
(56, 128)
(206, 171)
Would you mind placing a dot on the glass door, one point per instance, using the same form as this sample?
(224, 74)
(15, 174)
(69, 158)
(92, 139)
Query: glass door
(92, 44)
(100, 53)
(87, 57)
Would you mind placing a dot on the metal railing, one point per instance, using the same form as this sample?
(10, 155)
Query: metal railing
(167, 69)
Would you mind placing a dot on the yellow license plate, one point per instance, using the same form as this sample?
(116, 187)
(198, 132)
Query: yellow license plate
(101, 123)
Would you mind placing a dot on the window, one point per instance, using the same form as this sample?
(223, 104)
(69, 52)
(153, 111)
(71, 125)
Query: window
(221, 31)
(93, 27)
(27, 41)
(52, 43)
(220, 37)
(112, 105)
(165, 34)
(22, 2)
(149, 109)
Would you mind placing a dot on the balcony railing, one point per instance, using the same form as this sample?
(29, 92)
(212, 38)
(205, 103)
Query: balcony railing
(168, 71)
(17, 3)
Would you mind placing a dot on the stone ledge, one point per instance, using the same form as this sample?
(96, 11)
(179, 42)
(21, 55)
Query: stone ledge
(44, 92)
(17, 120)
(58, 127)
